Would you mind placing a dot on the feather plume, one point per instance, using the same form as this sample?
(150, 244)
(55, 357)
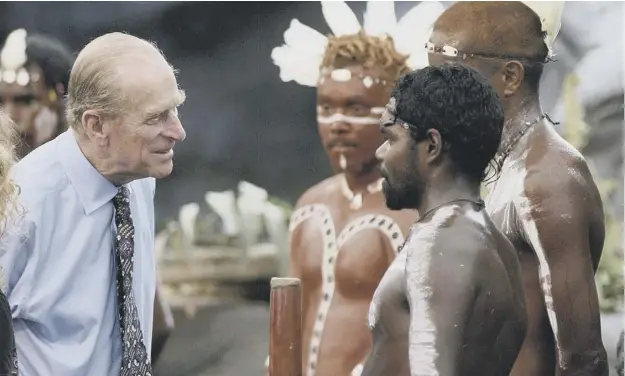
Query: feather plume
(13, 55)
(340, 18)
(380, 18)
(414, 30)
(550, 14)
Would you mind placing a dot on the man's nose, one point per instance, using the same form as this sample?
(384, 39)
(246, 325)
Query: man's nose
(176, 131)
(381, 151)
(340, 126)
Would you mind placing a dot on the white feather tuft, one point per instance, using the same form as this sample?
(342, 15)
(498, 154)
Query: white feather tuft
(340, 18)
(550, 14)
(305, 39)
(13, 55)
(300, 57)
(380, 18)
(414, 30)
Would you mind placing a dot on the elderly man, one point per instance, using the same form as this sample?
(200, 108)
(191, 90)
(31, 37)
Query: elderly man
(34, 74)
(80, 263)
(545, 200)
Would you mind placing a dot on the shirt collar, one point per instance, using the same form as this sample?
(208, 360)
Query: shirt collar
(93, 189)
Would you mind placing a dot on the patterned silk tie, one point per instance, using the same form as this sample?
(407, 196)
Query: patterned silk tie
(135, 359)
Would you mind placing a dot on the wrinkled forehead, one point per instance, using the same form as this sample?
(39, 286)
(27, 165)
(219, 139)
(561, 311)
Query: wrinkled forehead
(341, 85)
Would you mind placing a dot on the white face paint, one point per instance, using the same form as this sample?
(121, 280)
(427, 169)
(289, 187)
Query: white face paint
(340, 118)
(341, 75)
(378, 110)
(342, 162)
(357, 370)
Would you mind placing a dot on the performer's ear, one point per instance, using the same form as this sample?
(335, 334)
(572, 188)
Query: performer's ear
(513, 76)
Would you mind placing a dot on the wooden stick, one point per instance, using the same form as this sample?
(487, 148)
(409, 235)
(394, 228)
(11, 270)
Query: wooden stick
(285, 330)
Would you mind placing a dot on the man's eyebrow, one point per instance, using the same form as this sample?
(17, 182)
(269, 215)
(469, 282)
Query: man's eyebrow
(178, 100)
(180, 97)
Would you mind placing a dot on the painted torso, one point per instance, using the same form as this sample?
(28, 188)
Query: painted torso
(340, 254)
(494, 319)
(543, 152)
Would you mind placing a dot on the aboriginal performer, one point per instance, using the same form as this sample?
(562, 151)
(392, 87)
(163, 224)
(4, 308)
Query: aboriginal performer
(545, 199)
(343, 238)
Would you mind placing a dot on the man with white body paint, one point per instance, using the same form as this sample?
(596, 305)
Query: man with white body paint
(453, 298)
(343, 237)
(545, 199)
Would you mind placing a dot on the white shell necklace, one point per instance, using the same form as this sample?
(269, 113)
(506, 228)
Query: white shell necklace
(355, 199)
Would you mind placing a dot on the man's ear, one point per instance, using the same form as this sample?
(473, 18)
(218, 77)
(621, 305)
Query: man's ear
(434, 145)
(93, 126)
(513, 75)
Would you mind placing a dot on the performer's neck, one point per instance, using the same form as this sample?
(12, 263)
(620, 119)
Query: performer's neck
(447, 189)
(517, 113)
(358, 182)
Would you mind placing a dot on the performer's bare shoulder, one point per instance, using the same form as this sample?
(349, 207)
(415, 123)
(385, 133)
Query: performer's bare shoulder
(454, 306)
(558, 179)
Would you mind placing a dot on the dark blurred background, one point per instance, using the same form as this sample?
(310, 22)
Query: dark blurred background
(243, 123)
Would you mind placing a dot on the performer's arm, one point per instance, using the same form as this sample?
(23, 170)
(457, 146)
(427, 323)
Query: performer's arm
(440, 296)
(555, 221)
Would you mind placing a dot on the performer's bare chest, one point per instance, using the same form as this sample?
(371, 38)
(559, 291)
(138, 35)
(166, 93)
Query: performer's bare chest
(500, 202)
(349, 250)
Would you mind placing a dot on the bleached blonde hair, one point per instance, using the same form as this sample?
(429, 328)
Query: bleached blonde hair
(94, 82)
(8, 189)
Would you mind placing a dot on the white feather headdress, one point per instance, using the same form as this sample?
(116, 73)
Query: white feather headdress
(550, 14)
(300, 57)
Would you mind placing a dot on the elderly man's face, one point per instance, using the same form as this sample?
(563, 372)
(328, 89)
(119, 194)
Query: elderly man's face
(142, 144)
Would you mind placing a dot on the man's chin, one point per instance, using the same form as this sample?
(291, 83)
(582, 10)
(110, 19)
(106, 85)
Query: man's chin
(394, 205)
(392, 201)
(162, 171)
(395, 200)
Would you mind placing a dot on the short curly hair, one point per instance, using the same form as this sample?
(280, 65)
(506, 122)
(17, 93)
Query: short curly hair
(367, 51)
(458, 102)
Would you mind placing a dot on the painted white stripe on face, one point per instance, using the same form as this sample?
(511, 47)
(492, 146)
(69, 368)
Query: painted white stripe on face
(357, 370)
(337, 118)
(422, 347)
(543, 269)
(331, 247)
(377, 110)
